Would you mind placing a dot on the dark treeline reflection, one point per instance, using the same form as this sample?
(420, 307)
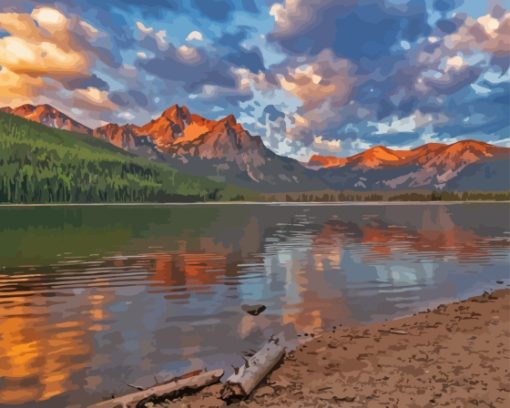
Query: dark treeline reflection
(94, 297)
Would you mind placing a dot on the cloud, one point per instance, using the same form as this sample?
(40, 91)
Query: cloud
(18, 89)
(195, 36)
(321, 145)
(84, 82)
(150, 8)
(130, 98)
(190, 67)
(52, 20)
(350, 28)
(247, 58)
(222, 74)
(217, 10)
(152, 39)
(46, 50)
(412, 123)
(324, 84)
(479, 115)
(31, 51)
(230, 45)
(452, 80)
(273, 125)
(271, 113)
(92, 99)
(396, 69)
(489, 33)
(307, 75)
(318, 79)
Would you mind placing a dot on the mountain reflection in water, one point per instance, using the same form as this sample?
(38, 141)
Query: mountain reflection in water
(92, 298)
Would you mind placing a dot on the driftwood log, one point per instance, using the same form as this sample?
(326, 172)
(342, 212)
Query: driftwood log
(244, 380)
(168, 390)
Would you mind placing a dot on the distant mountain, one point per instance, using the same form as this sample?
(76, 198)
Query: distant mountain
(221, 149)
(465, 165)
(49, 116)
(325, 162)
(375, 157)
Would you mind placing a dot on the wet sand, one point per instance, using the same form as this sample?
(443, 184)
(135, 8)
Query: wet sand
(456, 355)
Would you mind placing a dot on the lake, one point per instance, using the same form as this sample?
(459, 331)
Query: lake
(95, 297)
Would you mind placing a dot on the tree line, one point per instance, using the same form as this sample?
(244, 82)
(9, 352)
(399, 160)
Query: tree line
(335, 196)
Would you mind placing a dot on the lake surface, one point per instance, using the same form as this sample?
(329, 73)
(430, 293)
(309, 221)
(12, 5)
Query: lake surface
(94, 297)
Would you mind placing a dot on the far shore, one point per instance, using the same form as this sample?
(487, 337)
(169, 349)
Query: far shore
(455, 355)
(294, 203)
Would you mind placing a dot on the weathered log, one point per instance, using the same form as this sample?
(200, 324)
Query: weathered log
(244, 380)
(160, 392)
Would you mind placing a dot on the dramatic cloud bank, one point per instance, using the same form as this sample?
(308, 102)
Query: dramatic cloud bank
(309, 76)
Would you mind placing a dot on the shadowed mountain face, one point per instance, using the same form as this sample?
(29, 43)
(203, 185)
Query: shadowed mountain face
(223, 149)
(465, 165)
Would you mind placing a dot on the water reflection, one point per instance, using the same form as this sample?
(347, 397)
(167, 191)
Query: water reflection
(92, 298)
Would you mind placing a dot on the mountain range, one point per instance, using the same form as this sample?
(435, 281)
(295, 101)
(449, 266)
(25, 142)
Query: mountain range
(461, 166)
(225, 151)
(221, 149)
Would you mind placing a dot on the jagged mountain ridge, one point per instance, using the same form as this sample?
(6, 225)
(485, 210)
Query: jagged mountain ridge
(222, 149)
(464, 165)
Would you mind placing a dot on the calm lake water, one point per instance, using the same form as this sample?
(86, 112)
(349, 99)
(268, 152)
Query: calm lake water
(94, 297)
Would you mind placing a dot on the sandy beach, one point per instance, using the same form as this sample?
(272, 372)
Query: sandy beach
(456, 355)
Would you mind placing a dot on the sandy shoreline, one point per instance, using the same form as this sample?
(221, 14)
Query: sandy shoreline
(455, 355)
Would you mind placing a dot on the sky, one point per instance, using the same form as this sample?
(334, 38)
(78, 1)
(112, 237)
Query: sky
(330, 77)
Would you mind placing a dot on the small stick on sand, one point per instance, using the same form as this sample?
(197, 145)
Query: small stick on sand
(136, 387)
(394, 331)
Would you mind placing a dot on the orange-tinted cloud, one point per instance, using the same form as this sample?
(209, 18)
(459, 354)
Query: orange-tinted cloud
(48, 52)
(324, 84)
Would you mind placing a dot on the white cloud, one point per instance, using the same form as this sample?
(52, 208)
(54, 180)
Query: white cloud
(143, 28)
(456, 62)
(158, 36)
(195, 36)
(49, 18)
(292, 14)
(126, 115)
(411, 123)
(188, 54)
(323, 145)
(486, 33)
(92, 98)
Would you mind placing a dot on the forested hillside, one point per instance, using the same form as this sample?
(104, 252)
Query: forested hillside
(39, 164)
